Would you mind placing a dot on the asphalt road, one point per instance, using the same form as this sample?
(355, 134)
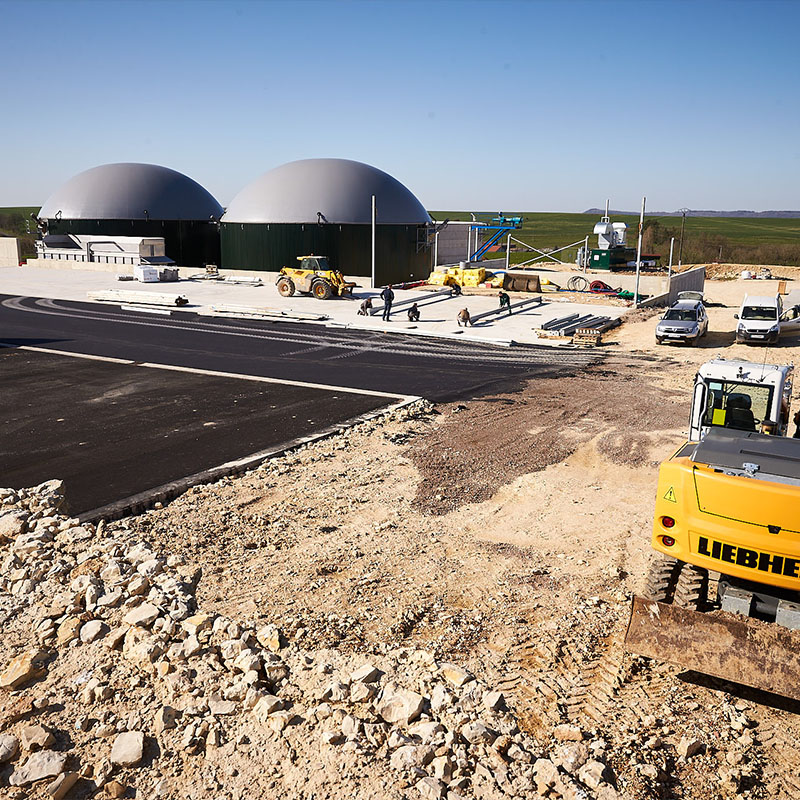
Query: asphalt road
(437, 369)
(111, 430)
(114, 430)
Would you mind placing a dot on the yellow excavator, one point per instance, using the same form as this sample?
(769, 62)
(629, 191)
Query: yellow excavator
(722, 596)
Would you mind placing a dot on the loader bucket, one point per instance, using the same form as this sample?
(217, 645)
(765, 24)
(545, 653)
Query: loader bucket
(739, 649)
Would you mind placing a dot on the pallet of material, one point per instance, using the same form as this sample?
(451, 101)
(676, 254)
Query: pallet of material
(587, 337)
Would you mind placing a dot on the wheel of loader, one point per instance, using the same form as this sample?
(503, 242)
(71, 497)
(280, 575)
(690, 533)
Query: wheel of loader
(691, 591)
(285, 287)
(321, 290)
(662, 578)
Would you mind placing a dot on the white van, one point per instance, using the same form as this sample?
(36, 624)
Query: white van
(762, 320)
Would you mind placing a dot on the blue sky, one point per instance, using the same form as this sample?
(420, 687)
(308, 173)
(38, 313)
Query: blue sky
(529, 106)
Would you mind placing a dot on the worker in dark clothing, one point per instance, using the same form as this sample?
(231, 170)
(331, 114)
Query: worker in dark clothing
(387, 295)
(797, 425)
(455, 289)
(413, 313)
(365, 309)
(505, 301)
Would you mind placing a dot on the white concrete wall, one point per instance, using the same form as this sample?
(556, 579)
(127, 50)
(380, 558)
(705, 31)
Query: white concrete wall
(9, 252)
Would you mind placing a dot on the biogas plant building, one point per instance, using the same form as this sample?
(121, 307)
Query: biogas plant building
(115, 213)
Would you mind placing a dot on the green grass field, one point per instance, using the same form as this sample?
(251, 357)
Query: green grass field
(556, 230)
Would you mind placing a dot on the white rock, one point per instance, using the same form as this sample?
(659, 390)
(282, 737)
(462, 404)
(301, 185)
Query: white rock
(366, 674)
(165, 719)
(475, 732)
(455, 675)
(267, 705)
(494, 700)
(36, 737)
(218, 707)
(441, 698)
(399, 705)
(431, 788)
(410, 756)
(197, 624)
(60, 787)
(91, 631)
(9, 747)
(151, 567)
(41, 765)
(128, 749)
(143, 615)
(137, 586)
(592, 773)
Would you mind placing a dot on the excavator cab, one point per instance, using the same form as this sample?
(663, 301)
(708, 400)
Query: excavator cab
(742, 396)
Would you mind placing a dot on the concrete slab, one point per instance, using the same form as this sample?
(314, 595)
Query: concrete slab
(438, 312)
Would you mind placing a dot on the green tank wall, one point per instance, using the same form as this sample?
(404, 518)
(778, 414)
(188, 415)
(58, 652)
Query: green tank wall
(189, 243)
(269, 247)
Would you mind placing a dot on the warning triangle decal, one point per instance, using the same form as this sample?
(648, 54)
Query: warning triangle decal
(670, 495)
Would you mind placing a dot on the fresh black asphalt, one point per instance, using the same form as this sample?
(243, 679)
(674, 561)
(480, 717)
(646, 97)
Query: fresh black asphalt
(114, 430)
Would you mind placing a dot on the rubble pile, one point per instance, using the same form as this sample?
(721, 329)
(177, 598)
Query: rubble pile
(113, 679)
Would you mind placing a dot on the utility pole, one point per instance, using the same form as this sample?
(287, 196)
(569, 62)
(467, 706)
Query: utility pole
(639, 254)
(374, 218)
(683, 224)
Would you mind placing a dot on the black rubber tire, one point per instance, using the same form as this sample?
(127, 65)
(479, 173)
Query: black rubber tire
(285, 287)
(662, 578)
(659, 341)
(321, 290)
(691, 591)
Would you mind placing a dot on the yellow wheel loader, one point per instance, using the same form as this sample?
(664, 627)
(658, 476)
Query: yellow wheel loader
(314, 276)
(722, 596)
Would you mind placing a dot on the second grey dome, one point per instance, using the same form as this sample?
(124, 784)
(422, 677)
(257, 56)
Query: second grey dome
(337, 189)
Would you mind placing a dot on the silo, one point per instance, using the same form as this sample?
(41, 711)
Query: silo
(139, 200)
(324, 206)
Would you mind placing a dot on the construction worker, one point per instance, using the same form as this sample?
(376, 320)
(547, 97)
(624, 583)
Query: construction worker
(505, 301)
(365, 309)
(413, 313)
(387, 295)
(455, 289)
(464, 318)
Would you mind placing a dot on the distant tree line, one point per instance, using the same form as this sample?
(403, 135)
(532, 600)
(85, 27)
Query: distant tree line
(14, 223)
(704, 248)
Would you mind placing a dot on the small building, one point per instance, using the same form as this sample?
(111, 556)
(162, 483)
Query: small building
(138, 200)
(324, 206)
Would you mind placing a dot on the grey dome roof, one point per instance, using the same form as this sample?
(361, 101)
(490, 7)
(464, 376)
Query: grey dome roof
(340, 190)
(126, 191)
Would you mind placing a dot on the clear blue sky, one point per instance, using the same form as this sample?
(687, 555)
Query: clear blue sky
(531, 106)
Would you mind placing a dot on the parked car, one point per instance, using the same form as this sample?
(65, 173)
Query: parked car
(685, 321)
(762, 320)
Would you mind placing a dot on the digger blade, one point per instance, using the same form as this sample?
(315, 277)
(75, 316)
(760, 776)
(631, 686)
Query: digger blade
(739, 649)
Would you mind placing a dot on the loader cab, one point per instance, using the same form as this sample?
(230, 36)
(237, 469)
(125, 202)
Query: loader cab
(741, 396)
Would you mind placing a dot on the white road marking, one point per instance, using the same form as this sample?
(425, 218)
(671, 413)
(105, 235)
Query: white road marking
(406, 398)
